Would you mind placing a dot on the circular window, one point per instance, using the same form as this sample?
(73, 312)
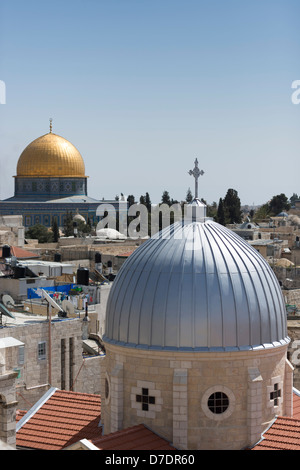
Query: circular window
(218, 402)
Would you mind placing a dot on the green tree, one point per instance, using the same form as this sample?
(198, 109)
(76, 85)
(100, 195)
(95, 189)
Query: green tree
(189, 196)
(294, 198)
(148, 202)
(165, 199)
(262, 213)
(130, 200)
(220, 213)
(55, 229)
(89, 226)
(211, 210)
(41, 233)
(279, 203)
(68, 225)
(232, 207)
(83, 228)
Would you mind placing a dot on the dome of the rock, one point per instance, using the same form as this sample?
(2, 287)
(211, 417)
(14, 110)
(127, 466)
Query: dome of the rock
(50, 156)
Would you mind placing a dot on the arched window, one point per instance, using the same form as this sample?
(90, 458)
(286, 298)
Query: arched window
(106, 388)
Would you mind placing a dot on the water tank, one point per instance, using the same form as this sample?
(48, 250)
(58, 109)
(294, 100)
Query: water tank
(98, 257)
(6, 251)
(19, 272)
(83, 275)
(57, 257)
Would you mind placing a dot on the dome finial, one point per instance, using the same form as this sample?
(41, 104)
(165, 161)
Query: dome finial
(50, 125)
(196, 173)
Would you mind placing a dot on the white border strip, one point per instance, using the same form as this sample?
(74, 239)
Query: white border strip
(35, 407)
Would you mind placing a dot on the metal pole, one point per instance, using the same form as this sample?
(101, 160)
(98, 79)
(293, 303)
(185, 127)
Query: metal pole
(50, 348)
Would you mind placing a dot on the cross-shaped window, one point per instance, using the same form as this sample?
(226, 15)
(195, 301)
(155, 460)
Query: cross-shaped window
(276, 394)
(145, 399)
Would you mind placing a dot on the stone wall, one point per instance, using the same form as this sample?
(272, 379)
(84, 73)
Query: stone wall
(37, 374)
(294, 349)
(292, 297)
(177, 386)
(8, 405)
(91, 375)
(11, 230)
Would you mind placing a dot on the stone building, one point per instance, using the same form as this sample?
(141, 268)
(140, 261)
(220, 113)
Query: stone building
(12, 231)
(9, 353)
(196, 340)
(49, 354)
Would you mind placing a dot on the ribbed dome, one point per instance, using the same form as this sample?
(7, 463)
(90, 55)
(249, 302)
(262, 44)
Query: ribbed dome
(50, 155)
(200, 288)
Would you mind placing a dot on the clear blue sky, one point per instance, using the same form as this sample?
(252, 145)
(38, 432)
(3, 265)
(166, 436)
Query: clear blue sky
(143, 87)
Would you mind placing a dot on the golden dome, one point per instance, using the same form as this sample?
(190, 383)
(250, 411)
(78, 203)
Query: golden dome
(50, 155)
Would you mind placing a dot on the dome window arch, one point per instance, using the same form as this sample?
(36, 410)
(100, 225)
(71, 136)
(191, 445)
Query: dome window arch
(106, 388)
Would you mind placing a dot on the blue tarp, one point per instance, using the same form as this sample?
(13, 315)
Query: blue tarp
(37, 292)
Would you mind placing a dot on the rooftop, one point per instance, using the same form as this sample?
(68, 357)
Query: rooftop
(28, 318)
(20, 253)
(284, 432)
(59, 419)
(137, 437)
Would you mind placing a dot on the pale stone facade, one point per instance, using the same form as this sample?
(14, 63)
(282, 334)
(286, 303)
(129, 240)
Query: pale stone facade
(8, 401)
(12, 231)
(65, 368)
(8, 407)
(169, 392)
(294, 349)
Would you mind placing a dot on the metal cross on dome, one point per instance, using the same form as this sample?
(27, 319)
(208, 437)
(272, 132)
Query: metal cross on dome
(196, 173)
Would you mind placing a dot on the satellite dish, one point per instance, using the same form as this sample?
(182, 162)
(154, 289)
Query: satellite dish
(8, 301)
(51, 301)
(68, 307)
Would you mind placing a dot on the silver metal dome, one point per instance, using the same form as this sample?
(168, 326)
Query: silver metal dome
(199, 287)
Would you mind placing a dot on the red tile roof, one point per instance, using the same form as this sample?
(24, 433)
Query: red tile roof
(64, 418)
(20, 414)
(283, 434)
(137, 437)
(21, 253)
(125, 255)
(67, 417)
